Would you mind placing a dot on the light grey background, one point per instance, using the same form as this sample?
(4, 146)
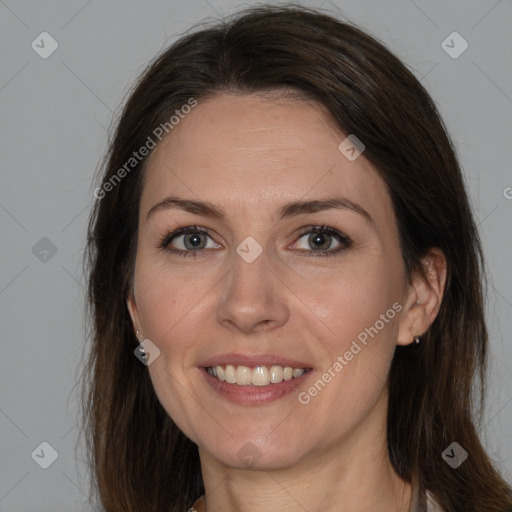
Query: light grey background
(55, 114)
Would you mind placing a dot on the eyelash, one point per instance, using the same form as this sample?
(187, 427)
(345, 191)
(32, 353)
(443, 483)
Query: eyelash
(343, 239)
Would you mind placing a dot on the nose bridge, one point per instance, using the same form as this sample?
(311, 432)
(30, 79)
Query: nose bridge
(251, 268)
(252, 295)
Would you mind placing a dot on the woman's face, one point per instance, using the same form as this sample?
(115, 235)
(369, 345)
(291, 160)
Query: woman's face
(254, 290)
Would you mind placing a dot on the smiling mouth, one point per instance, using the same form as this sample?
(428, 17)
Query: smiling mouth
(255, 376)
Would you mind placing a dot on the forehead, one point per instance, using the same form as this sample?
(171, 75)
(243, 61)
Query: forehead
(249, 151)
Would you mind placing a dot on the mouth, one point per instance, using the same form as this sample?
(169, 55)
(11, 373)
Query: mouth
(254, 379)
(260, 375)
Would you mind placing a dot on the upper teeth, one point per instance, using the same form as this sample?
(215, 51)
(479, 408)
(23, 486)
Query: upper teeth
(258, 376)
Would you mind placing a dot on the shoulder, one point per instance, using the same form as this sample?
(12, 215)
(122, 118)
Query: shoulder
(198, 506)
(432, 504)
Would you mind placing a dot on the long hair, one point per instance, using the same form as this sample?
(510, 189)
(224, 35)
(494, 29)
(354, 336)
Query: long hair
(141, 460)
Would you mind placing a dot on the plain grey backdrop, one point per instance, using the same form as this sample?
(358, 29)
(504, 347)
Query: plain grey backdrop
(56, 109)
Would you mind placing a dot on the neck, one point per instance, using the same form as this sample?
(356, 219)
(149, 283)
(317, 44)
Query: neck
(355, 475)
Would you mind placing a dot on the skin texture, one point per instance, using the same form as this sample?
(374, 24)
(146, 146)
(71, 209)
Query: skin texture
(250, 154)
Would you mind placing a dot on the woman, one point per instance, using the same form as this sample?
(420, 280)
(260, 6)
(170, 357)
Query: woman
(283, 239)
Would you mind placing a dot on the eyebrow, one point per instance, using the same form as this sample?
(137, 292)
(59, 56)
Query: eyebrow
(208, 209)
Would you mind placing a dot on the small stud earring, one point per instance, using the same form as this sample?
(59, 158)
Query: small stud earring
(417, 339)
(140, 339)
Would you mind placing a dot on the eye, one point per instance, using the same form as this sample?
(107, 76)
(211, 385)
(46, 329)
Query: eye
(193, 240)
(188, 241)
(323, 240)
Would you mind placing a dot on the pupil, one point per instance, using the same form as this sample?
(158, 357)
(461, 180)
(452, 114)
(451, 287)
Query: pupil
(194, 240)
(319, 240)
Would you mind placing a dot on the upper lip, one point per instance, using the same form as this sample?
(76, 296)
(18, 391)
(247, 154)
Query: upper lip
(253, 360)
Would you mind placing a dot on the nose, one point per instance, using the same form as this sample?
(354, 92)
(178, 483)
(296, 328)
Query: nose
(252, 297)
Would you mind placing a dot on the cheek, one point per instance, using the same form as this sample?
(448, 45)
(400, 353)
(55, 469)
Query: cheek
(359, 313)
(357, 336)
(363, 306)
(165, 300)
(351, 299)
(165, 305)
(156, 302)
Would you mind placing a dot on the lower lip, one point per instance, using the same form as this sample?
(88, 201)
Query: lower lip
(254, 395)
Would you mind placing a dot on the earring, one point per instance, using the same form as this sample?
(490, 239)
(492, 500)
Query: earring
(418, 339)
(140, 339)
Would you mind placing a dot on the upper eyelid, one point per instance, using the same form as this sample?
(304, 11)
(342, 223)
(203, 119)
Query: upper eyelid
(185, 230)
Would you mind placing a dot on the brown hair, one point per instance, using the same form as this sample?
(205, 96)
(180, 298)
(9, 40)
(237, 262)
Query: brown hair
(142, 462)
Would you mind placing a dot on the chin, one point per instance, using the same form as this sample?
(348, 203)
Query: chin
(253, 454)
(273, 444)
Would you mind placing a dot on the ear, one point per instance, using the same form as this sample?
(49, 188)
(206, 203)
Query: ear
(134, 314)
(424, 297)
